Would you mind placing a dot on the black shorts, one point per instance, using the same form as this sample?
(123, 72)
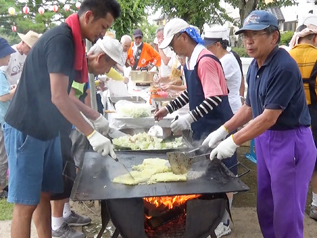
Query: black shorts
(69, 169)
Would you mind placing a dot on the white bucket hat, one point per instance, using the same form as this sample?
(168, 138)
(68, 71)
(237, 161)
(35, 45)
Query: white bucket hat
(173, 27)
(112, 48)
(29, 38)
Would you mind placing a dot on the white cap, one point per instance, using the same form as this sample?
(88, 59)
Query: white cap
(309, 19)
(217, 32)
(29, 38)
(173, 27)
(112, 48)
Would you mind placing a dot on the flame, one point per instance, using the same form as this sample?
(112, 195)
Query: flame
(170, 201)
(147, 217)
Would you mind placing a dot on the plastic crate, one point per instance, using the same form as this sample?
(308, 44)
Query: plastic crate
(251, 156)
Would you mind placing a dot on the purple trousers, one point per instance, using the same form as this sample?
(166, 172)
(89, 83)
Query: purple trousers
(285, 163)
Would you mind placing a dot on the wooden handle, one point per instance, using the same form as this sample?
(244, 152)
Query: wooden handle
(110, 111)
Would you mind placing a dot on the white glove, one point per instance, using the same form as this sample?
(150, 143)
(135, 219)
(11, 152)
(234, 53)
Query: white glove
(101, 124)
(182, 123)
(101, 144)
(224, 150)
(216, 136)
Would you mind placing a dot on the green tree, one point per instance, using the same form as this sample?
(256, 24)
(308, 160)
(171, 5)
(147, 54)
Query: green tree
(194, 12)
(33, 20)
(132, 16)
(247, 6)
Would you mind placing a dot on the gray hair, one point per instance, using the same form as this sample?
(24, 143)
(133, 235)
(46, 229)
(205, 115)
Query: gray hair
(159, 29)
(125, 38)
(269, 30)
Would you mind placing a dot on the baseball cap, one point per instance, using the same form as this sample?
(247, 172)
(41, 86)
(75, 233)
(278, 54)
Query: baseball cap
(112, 48)
(258, 20)
(215, 34)
(173, 27)
(5, 48)
(309, 19)
(137, 33)
(29, 38)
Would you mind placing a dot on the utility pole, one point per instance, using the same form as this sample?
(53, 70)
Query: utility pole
(92, 83)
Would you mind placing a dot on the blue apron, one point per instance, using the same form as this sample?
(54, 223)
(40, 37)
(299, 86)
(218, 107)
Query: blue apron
(214, 119)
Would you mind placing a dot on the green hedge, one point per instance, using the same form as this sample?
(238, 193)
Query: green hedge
(286, 37)
(240, 51)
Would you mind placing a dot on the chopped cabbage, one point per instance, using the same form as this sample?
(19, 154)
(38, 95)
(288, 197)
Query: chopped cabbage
(130, 109)
(143, 141)
(152, 170)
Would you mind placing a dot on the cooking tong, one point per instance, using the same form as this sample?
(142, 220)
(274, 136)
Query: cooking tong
(156, 130)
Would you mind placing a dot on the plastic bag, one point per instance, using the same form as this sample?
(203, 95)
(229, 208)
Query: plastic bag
(129, 109)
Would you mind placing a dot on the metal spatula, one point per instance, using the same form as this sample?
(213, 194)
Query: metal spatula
(156, 130)
(116, 159)
(181, 163)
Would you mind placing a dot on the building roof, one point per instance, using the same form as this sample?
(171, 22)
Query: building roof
(276, 11)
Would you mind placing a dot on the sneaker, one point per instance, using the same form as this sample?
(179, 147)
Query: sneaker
(222, 230)
(313, 212)
(3, 194)
(77, 220)
(67, 232)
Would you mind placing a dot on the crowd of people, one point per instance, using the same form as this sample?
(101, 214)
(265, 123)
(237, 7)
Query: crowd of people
(44, 80)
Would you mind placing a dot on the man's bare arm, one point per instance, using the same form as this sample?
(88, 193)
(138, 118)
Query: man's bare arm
(257, 126)
(86, 110)
(164, 58)
(243, 116)
(60, 98)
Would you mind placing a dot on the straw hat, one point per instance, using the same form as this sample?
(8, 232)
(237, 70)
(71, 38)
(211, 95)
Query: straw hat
(29, 38)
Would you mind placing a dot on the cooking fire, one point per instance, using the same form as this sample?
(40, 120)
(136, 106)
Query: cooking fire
(160, 211)
(170, 201)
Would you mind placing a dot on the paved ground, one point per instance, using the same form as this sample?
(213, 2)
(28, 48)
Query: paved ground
(245, 226)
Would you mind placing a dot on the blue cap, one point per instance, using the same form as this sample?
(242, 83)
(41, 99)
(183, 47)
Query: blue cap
(258, 20)
(5, 48)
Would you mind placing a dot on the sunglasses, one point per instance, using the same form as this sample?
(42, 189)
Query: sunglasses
(171, 45)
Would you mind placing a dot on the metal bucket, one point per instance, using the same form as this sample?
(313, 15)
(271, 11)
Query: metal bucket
(138, 76)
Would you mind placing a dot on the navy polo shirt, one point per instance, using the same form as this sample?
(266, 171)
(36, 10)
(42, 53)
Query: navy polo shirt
(278, 85)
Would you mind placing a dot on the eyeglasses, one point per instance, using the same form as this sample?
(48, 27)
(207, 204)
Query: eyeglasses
(171, 45)
(254, 35)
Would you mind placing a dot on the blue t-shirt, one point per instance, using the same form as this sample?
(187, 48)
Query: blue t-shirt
(4, 89)
(278, 85)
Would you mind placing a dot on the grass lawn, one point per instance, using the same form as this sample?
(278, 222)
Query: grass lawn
(6, 210)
